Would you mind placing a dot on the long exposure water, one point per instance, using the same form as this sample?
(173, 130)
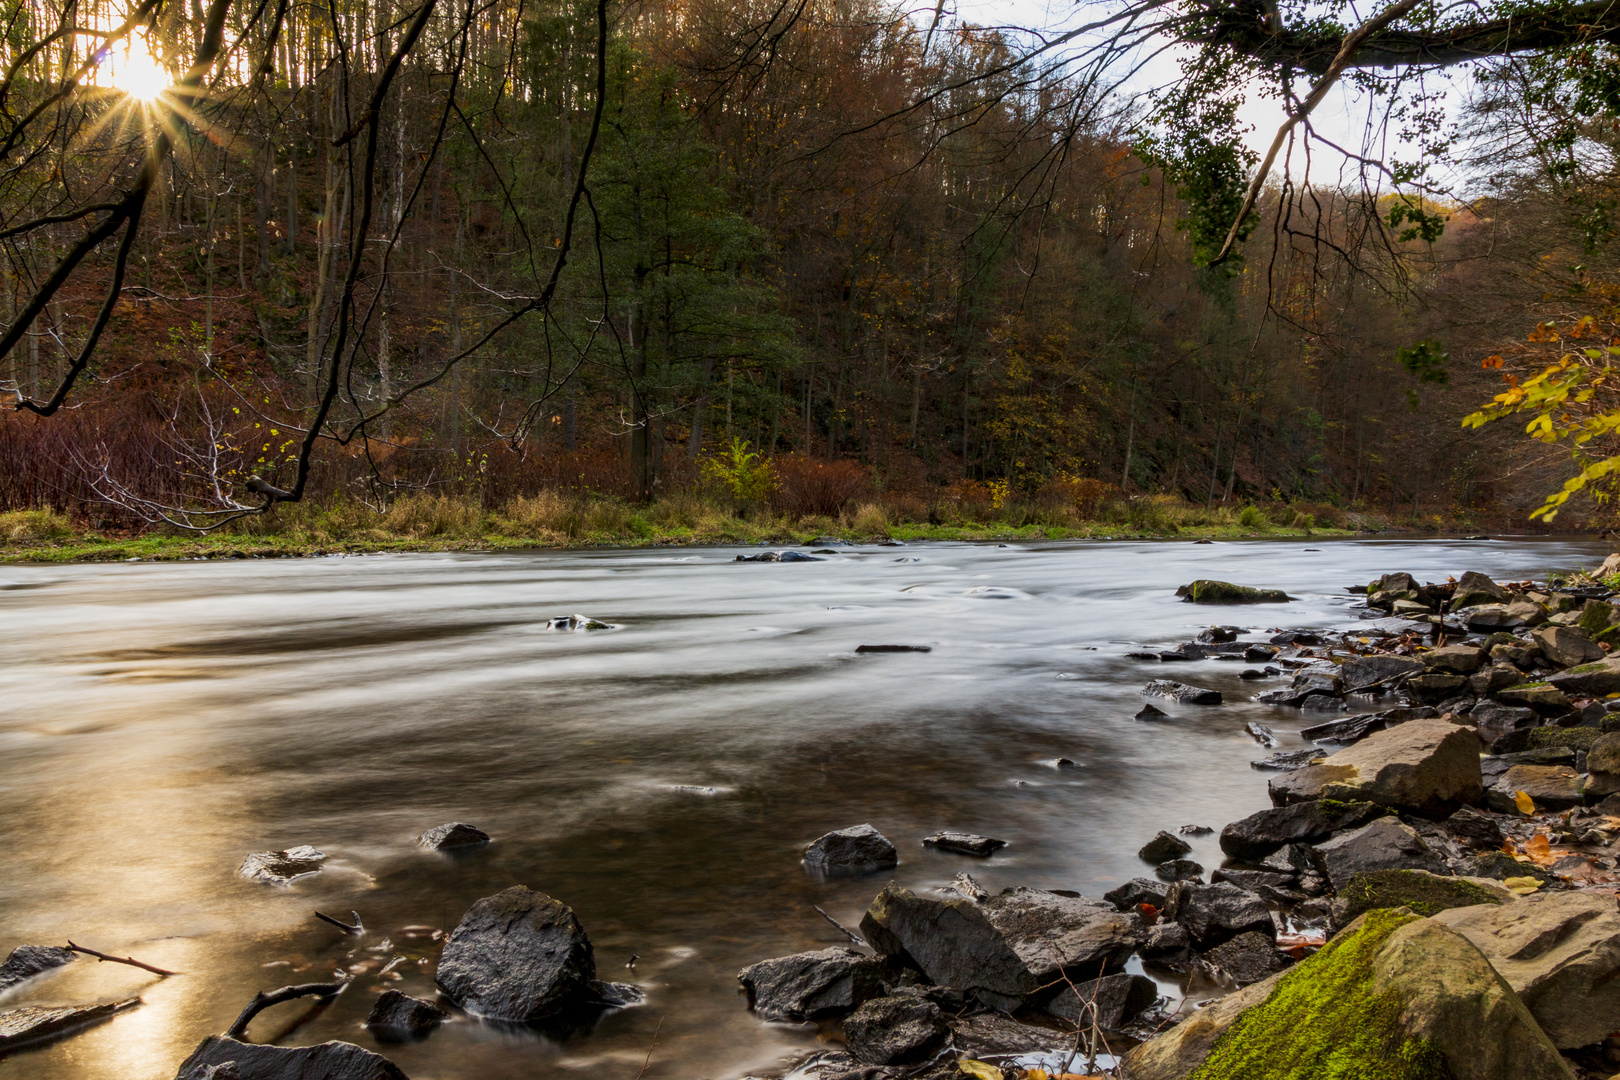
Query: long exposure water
(160, 721)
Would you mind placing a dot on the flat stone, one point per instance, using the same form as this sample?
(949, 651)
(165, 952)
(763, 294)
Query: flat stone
(398, 1018)
(990, 1035)
(1429, 767)
(39, 1023)
(1454, 659)
(519, 955)
(1567, 647)
(812, 985)
(1543, 698)
(860, 849)
(1588, 680)
(26, 961)
(961, 843)
(253, 1061)
(1435, 687)
(1190, 695)
(1289, 760)
(1252, 838)
(282, 867)
(1163, 847)
(1385, 844)
(1552, 787)
(453, 836)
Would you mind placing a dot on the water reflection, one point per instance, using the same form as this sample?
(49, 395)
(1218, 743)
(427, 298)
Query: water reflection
(158, 722)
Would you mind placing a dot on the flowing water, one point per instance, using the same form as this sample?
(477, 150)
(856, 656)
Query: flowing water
(160, 721)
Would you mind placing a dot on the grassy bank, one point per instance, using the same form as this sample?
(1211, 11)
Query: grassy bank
(443, 523)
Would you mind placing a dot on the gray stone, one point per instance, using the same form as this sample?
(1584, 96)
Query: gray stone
(812, 985)
(282, 867)
(1454, 659)
(860, 849)
(1258, 835)
(327, 1061)
(1588, 680)
(960, 843)
(895, 1031)
(1179, 870)
(990, 1035)
(1551, 787)
(398, 1018)
(1189, 695)
(453, 836)
(1163, 847)
(1247, 958)
(1110, 1002)
(26, 961)
(1566, 647)
(1386, 844)
(1492, 617)
(1427, 766)
(1474, 588)
(41, 1023)
(1603, 767)
(1474, 829)
(518, 955)
(1216, 913)
(1136, 892)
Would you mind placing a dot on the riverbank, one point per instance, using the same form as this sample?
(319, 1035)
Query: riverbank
(440, 523)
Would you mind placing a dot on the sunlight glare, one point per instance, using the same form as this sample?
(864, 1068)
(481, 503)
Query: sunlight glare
(137, 73)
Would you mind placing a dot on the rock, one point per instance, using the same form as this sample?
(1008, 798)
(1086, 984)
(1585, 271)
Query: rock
(1167, 944)
(989, 1035)
(1588, 680)
(893, 648)
(1190, 695)
(1258, 835)
(26, 961)
(962, 843)
(1110, 1002)
(1454, 659)
(1500, 866)
(1551, 787)
(39, 1023)
(518, 955)
(1560, 952)
(1542, 698)
(812, 985)
(1205, 591)
(1418, 890)
(612, 995)
(453, 836)
(1474, 829)
(1006, 950)
(895, 1031)
(1492, 617)
(573, 623)
(1163, 847)
(1151, 712)
(1435, 687)
(1365, 671)
(1579, 740)
(327, 1061)
(1254, 880)
(1386, 844)
(1474, 588)
(1427, 766)
(1500, 717)
(1355, 728)
(779, 556)
(1497, 677)
(1219, 635)
(1289, 760)
(282, 867)
(1136, 892)
(398, 1018)
(1261, 734)
(1603, 767)
(1216, 913)
(1409, 608)
(1195, 830)
(1247, 958)
(1566, 647)
(1393, 996)
(860, 849)
(964, 884)
(1179, 870)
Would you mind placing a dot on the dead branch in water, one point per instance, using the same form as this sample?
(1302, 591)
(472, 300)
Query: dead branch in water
(650, 1049)
(847, 932)
(357, 929)
(130, 960)
(262, 1001)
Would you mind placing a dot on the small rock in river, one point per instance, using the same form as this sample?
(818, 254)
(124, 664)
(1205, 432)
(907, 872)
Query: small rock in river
(327, 1061)
(1151, 712)
(26, 961)
(964, 843)
(398, 1018)
(860, 849)
(812, 985)
(1195, 830)
(518, 955)
(282, 867)
(1163, 847)
(964, 884)
(1261, 734)
(453, 836)
(1192, 695)
(1136, 892)
(572, 623)
(1179, 870)
(36, 1023)
(893, 648)
(1110, 1002)
(778, 556)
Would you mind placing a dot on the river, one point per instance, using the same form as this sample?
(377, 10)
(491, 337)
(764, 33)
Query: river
(160, 721)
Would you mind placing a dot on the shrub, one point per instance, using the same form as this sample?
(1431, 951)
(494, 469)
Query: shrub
(1251, 518)
(740, 472)
(807, 486)
(33, 526)
(871, 520)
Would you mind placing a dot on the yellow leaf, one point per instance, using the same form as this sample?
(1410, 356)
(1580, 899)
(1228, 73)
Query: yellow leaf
(979, 1070)
(1524, 802)
(1523, 886)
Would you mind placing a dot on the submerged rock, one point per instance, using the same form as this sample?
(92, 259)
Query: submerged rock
(897, 1030)
(1151, 712)
(39, 1023)
(453, 836)
(26, 961)
(282, 867)
(519, 955)
(860, 849)
(812, 985)
(1191, 695)
(327, 1061)
(1206, 591)
(398, 1018)
(893, 648)
(779, 556)
(1429, 767)
(964, 843)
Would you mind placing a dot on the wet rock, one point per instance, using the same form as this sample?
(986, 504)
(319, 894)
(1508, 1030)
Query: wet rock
(1258, 835)
(573, 623)
(1603, 767)
(1163, 847)
(893, 648)
(1542, 698)
(1454, 659)
(1166, 944)
(612, 995)
(812, 985)
(1005, 950)
(989, 1035)
(1429, 767)
(26, 961)
(398, 1018)
(961, 843)
(1110, 1002)
(1205, 591)
(1386, 844)
(895, 1031)
(1365, 671)
(1179, 870)
(1261, 734)
(860, 849)
(1552, 787)
(1474, 588)
(1195, 830)
(1474, 829)
(1422, 892)
(1588, 680)
(41, 1023)
(1151, 712)
(1444, 1000)
(327, 1061)
(1434, 688)
(1355, 728)
(1219, 635)
(1502, 717)
(1247, 958)
(964, 884)
(453, 836)
(282, 867)
(1190, 695)
(1566, 647)
(1289, 760)
(1560, 952)
(518, 955)
(779, 556)
(1136, 892)
(1216, 913)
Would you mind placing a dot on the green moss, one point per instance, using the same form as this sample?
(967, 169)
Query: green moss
(1564, 738)
(1501, 866)
(1323, 1022)
(1423, 893)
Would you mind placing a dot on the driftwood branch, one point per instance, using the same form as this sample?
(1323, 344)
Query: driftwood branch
(130, 960)
(262, 1001)
(846, 931)
(357, 929)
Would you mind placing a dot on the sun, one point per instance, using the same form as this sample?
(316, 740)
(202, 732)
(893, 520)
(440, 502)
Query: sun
(136, 72)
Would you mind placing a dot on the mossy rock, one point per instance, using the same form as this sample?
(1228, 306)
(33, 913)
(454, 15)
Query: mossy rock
(1501, 866)
(1204, 591)
(1423, 893)
(1578, 739)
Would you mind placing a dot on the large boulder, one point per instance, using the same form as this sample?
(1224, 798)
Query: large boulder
(1430, 767)
(812, 985)
(1419, 891)
(328, 1061)
(26, 961)
(1252, 838)
(1603, 767)
(1216, 913)
(1205, 591)
(518, 955)
(1006, 951)
(1386, 844)
(1560, 952)
(1474, 588)
(859, 849)
(1588, 680)
(898, 1030)
(1393, 996)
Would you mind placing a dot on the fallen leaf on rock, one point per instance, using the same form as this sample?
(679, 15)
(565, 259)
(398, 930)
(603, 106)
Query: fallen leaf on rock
(1525, 803)
(1150, 914)
(1523, 886)
(1539, 851)
(979, 1070)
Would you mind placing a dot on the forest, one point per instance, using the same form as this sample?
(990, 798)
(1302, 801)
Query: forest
(807, 261)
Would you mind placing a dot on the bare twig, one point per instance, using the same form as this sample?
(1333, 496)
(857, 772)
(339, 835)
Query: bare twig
(650, 1049)
(262, 1001)
(847, 932)
(130, 960)
(357, 929)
